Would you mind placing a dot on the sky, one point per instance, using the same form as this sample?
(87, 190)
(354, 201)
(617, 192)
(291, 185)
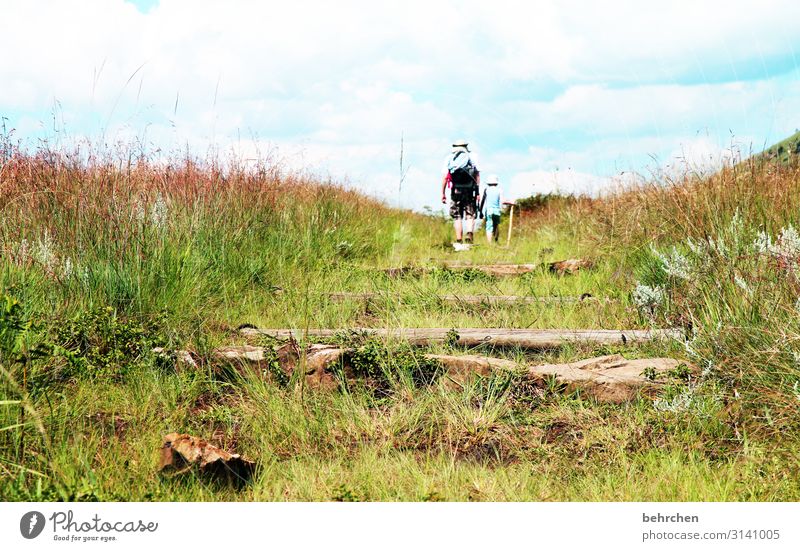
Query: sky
(572, 97)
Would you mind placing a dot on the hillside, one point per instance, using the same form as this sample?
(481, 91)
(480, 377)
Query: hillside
(113, 274)
(784, 149)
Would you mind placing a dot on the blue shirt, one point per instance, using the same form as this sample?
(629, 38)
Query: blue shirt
(492, 203)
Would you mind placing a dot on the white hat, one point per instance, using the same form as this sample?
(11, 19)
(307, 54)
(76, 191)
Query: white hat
(460, 144)
(492, 179)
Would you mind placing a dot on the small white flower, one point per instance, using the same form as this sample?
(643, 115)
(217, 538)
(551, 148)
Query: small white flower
(736, 230)
(648, 298)
(44, 252)
(139, 212)
(719, 246)
(706, 371)
(763, 243)
(675, 264)
(679, 403)
(690, 351)
(789, 242)
(66, 268)
(23, 252)
(741, 283)
(158, 212)
(698, 249)
(736, 226)
(787, 246)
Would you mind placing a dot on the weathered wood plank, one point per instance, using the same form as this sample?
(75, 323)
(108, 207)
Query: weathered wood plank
(523, 338)
(473, 299)
(497, 270)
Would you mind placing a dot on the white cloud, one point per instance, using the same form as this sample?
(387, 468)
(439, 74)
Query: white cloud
(556, 95)
(567, 182)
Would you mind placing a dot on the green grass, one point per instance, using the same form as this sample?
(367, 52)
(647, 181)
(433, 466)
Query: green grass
(784, 149)
(104, 263)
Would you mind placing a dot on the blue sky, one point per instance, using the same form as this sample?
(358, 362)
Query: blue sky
(567, 96)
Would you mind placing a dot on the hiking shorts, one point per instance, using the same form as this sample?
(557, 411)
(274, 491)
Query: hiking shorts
(462, 209)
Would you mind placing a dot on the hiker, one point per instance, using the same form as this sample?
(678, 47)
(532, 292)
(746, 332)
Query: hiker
(492, 201)
(463, 178)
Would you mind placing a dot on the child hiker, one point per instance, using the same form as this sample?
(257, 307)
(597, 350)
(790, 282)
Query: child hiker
(492, 201)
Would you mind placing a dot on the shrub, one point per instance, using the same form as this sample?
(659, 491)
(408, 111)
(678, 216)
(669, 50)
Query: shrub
(99, 344)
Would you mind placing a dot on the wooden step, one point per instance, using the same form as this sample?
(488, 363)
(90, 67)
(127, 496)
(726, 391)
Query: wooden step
(497, 270)
(473, 299)
(522, 338)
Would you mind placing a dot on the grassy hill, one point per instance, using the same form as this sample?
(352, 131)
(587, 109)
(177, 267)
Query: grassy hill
(101, 263)
(784, 149)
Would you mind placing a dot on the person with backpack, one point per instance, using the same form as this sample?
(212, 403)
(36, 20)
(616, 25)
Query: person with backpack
(463, 177)
(492, 202)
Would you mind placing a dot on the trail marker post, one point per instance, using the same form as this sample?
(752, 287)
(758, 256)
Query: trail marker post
(510, 224)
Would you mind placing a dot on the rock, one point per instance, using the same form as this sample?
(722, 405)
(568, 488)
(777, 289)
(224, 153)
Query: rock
(245, 353)
(267, 362)
(181, 453)
(607, 378)
(321, 361)
(183, 359)
(610, 378)
(570, 266)
(460, 368)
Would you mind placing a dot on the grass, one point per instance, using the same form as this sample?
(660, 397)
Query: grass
(784, 150)
(108, 257)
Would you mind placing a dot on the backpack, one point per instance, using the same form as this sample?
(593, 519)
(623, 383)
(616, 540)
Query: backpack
(463, 173)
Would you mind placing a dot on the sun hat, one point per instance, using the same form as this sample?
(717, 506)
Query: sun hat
(492, 180)
(458, 144)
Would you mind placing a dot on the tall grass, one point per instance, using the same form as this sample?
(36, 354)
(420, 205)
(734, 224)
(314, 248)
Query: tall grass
(109, 254)
(721, 255)
(80, 230)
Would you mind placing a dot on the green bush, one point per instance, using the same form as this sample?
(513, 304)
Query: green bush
(99, 344)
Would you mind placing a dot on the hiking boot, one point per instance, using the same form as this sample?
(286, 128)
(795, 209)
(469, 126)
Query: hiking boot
(469, 237)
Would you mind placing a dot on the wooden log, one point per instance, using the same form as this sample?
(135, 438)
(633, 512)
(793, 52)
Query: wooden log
(497, 270)
(461, 264)
(473, 299)
(523, 338)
